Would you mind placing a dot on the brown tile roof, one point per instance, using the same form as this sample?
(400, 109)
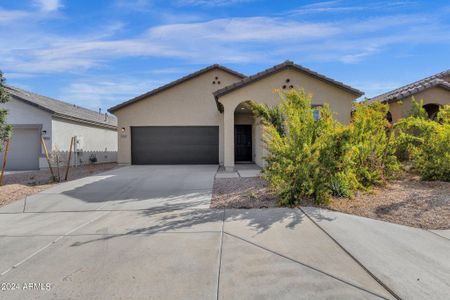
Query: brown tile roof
(415, 87)
(62, 109)
(174, 83)
(285, 65)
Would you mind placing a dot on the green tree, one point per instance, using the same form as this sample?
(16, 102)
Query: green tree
(5, 129)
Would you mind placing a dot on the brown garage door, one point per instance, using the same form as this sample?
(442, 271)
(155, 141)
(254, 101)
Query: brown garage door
(175, 145)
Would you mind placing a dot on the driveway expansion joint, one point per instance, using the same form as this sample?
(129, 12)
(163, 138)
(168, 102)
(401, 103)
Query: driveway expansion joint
(220, 254)
(24, 204)
(107, 234)
(59, 237)
(304, 265)
(441, 236)
(353, 257)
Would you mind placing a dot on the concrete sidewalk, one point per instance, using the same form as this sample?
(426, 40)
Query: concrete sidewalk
(189, 253)
(414, 263)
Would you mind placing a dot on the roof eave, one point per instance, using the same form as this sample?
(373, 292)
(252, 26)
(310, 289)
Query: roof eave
(32, 103)
(78, 120)
(396, 98)
(386, 97)
(174, 83)
(286, 65)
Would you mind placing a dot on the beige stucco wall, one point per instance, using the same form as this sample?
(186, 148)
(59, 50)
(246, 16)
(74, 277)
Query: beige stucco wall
(436, 95)
(101, 142)
(187, 104)
(262, 91)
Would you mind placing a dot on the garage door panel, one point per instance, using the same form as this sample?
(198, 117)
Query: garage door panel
(175, 145)
(24, 149)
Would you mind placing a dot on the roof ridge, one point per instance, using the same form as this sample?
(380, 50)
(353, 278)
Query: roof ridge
(175, 82)
(49, 98)
(269, 71)
(61, 108)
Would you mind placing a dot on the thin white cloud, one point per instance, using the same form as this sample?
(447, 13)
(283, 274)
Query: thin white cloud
(204, 42)
(137, 5)
(210, 3)
(225, 40)
(330, 7)
(48, 5)
(8, 16)
(257, 29)
(104, 92)
(326, 7)
(373, 89)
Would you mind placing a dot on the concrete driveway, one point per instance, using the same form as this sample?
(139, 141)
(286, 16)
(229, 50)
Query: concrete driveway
(146, 232)
(127, 188)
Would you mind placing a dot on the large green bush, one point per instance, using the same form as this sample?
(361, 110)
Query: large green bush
(311, 158)
(373, 144)
(426, 143)
(320, 158)
(301, 162)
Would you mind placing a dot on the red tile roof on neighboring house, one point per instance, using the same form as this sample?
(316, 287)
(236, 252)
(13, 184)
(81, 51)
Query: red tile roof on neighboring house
(415, 87)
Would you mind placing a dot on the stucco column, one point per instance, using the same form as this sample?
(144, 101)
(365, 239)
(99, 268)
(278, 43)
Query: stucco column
(228, 137)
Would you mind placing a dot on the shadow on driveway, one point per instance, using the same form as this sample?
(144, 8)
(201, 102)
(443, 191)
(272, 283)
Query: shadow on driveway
(181, 218)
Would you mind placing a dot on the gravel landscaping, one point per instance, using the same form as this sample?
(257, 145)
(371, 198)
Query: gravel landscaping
(407, 201)
(18, 185)
(251, 192)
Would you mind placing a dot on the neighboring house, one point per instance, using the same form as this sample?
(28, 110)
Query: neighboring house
(203, 118)
(434, 90)
(34, 116)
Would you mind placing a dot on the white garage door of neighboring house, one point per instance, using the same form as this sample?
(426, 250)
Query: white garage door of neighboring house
(24, 149)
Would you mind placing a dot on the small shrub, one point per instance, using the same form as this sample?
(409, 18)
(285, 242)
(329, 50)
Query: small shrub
(93, 158)
(252, 195)
(426, 143)
(56, 162)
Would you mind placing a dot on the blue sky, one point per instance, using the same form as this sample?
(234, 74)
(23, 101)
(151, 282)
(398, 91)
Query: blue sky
(100, 53)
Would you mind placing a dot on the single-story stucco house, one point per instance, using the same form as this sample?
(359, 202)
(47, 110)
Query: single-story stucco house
(34, 116)
(203, 118)
(433, 90)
